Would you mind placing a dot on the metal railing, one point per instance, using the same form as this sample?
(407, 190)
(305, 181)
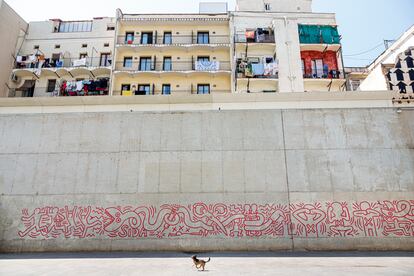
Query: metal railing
(158, 91)
(265, 38)
(306, 38)
(180, 66)
(41, 91)
(173, 40)
(66, 63)
(331, 74)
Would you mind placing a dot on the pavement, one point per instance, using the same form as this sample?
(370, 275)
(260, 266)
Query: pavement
(249, 263)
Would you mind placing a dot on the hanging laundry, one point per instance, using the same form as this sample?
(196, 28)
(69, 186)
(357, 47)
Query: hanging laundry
(79, 86)
(31, 59)
(258, 69)
(271, 69)
(127, 93)
(79, 62)
(249, 71)
(250, 34)
(59, 64)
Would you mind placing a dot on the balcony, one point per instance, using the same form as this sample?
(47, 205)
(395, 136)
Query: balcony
(39, 65)
(173, 41)
(158, 91)
(175, 67)
(264, 38)
(257, 69)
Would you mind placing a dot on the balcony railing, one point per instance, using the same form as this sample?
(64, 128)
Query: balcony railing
(157, 91)
(264, 38)
(57, 92)
(65, 63)
(173, 40)
(180, 66)
(321, 74)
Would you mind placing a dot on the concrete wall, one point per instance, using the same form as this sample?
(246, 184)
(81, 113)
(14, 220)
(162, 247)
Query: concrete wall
(12, 28)
(319, 179)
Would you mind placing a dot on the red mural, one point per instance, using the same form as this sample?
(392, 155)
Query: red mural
(332, 219)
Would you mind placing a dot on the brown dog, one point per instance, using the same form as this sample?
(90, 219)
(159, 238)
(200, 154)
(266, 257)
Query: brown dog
(199, 263)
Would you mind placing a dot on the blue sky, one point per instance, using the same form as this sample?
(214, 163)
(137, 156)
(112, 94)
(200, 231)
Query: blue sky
(364, 24)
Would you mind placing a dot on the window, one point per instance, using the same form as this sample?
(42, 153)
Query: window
(167, 38)
(84, 45)
(83, 55)
(146, 38)
(77, 26)
(105, 59)
(51, 85)
(203, 38)
(125, 87)
(57, 46)
(317, 68)
(203, 58)
(143, 89)
(129, 37)
(145, 64)
(110, 28)
(166, 89)
(106, 45)
(128, 62)
(167, 64)
(203, 89)
(55, 59)
(36, 47)
(268, 7)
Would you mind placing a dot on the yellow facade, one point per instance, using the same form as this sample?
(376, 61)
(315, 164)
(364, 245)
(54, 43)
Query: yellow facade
(156, 51)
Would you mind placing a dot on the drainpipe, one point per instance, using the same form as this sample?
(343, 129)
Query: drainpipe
(288, 52)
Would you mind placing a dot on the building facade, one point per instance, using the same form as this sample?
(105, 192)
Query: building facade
(277, 46)
(12, 31)
(393, 69)
(57, 56)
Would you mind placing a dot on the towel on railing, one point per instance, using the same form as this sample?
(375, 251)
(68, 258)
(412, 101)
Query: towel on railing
(207, 65)
(79, 62)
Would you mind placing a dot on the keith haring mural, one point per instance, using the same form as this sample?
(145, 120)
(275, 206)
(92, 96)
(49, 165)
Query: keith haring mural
(332, 219)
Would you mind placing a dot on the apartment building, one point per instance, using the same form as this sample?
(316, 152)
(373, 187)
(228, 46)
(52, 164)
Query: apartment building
(281, 46)
(262, 47)
(172, 54)
(64, 58)
(12, 31)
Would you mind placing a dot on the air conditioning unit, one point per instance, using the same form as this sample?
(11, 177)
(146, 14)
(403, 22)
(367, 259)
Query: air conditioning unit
(14, 78)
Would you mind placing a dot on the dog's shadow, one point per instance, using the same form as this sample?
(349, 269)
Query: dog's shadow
(204, 270)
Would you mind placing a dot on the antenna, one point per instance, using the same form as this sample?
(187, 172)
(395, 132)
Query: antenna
(388, 43)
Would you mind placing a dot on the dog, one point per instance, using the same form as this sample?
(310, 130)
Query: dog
(199, 263)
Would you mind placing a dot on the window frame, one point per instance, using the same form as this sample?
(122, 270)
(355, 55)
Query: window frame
(166, 86)
(48, 88)
(201, 37)
(150, 38)
(203, 86)
(164, 41)
(148, 66)
(128, 59)
(164, 67)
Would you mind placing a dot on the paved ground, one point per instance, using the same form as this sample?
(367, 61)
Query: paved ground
(221, 264)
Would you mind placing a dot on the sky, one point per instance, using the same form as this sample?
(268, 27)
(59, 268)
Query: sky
(363, 24)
